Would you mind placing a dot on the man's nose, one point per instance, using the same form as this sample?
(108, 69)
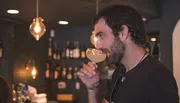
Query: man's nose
(98, 44)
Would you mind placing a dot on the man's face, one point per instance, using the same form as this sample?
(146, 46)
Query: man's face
(106, 41)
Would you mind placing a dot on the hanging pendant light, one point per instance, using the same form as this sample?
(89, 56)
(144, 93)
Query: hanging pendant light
(93, 39)
(30, 67)
(37, 28)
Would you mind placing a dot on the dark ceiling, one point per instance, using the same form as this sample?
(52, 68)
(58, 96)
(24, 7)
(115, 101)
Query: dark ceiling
(75, 11)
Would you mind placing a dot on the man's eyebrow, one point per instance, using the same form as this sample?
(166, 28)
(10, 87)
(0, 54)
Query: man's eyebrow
(97, 34)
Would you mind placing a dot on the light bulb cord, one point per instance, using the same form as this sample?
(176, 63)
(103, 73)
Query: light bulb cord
(97, 6)
(37, 8)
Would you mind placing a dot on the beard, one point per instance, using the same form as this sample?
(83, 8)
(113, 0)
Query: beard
(115, 52)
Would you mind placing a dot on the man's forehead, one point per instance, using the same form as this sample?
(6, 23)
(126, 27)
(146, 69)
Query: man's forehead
(99, 25)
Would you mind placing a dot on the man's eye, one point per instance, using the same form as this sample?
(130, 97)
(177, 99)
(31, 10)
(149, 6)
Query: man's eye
(100, 35)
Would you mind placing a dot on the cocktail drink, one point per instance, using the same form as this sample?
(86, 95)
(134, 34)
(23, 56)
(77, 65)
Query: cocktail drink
(95, 55)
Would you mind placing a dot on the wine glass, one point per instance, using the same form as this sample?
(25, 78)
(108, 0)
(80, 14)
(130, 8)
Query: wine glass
(95, 55)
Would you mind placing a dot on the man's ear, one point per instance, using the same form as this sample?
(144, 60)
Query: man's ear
(124, 34)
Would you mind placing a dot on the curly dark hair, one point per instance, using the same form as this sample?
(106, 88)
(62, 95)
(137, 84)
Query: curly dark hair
(117, 15)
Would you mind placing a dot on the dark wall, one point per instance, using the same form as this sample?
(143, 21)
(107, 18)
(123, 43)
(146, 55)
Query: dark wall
(26, 47)
(7, 38)
(170, 16)
(77, 33)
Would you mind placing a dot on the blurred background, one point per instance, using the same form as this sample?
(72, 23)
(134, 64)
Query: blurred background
(49, 61)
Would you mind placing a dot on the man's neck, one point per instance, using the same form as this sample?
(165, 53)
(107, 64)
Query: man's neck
(133, 56)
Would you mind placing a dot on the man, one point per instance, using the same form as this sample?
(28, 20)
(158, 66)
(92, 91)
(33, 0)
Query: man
(138, 78)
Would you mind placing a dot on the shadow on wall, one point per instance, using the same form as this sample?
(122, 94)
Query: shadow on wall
(176, 53)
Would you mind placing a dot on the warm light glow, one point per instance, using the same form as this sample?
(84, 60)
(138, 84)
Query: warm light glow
(34, 72)
(153, 39)
(37, 37)
(14, 99)
(12, 11)
(63, 22)
(27, 68)
(37, 28)
(95, 39)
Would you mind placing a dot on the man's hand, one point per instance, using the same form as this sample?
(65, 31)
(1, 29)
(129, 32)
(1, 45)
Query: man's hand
(89, 75)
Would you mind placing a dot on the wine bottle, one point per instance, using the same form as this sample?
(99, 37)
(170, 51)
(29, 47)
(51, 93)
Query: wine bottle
(56, 72)
(75, 73)
(54, 50)
(49, 70)
(76, 51)
(64, 73)
(69, 75)
(58, 54)
(47, 73)
(67, 49)
(53, 43)
(83, 54)
(155, 52)
(50, 49)
(71, 50)
(77, 85)
(63, 55)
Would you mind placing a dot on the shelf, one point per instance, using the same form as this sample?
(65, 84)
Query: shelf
(70, 62)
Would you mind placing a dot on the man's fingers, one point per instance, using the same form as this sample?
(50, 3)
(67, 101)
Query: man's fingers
(86, 72)
(80, 74)
(92, 65)
(89, 69)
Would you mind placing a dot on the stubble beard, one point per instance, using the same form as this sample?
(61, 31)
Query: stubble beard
(116, 52)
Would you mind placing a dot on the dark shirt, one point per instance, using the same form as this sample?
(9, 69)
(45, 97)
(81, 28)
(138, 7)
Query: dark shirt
(5, 91)
(148, 82)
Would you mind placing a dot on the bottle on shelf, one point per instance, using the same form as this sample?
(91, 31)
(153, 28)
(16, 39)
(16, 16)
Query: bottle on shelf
(63, 55)
(56, 71)
(47, 73)
(75, 73)
(58, 55)
(67, 49)
(155, 52)
(83, 52)
(71, 50)
(50, 49)
(54, 50)
(53, 43)
(69, 74)
(76, 51)
(77, 83)
(49, 70)
(64, 73)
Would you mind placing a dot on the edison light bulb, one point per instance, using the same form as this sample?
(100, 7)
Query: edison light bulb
(37, 28)
(34, 73)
